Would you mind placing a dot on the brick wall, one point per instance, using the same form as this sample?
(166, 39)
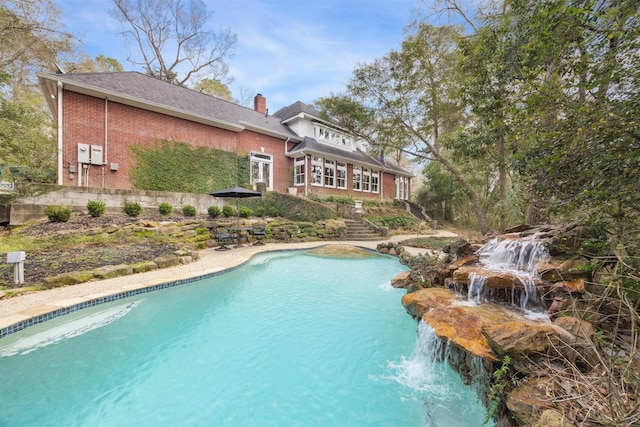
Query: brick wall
(84, 122)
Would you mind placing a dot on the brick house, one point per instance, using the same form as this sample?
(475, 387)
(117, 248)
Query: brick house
(100, 115)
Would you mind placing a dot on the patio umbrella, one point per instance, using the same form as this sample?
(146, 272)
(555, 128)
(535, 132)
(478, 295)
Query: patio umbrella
(236, 193)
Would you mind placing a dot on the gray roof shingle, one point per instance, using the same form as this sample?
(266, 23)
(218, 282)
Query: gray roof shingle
(358, 157)
(146, 89)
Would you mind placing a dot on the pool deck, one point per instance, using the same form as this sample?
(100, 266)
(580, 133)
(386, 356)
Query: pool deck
(27, 306)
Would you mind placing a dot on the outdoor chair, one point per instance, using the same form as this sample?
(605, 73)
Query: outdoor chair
(223, 237)
(259, 232)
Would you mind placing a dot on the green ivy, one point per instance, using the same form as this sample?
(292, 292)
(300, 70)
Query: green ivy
(177, 167)
(498, 389)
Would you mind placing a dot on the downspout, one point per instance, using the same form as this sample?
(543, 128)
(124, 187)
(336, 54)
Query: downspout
(106, 115)
(307, 175)
(60, 160)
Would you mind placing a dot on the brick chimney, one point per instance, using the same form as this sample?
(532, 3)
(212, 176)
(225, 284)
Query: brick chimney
(260, 104)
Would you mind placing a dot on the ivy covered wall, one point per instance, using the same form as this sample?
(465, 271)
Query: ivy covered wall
(175, 166)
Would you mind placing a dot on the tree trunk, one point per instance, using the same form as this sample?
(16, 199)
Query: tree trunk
(479, 212)
(502, 177)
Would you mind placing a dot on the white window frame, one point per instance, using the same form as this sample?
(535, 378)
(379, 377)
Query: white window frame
(317, 169)
(298, 171)
(341, 175)
(402, 188)
(329, 173)
(262, 160)
(375, 181)
(357, 178)
(366, 180)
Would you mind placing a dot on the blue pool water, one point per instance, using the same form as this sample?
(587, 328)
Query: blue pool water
(290, 339)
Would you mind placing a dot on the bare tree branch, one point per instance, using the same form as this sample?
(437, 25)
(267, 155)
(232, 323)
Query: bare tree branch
(171, 39)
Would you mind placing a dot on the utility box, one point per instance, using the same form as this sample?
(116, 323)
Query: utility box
(96, 155)
(17, 259)
(84, 155)
(13, 257)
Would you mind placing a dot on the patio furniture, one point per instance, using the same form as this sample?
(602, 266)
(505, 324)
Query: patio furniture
(259, 232)
(237, 233)
(223, 237)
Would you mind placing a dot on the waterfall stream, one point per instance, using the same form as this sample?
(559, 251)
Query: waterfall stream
(518, 257)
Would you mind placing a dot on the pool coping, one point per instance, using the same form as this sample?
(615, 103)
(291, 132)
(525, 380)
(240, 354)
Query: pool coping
(123, 288)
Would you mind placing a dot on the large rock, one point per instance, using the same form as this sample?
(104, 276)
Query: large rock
(527, 401)
(495, 279)
(556, 270)
(462, 325)
(66, 279)
(109, 271)
(488, 330)
(522, 337)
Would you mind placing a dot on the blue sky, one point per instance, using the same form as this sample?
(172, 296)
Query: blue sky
(288, 50)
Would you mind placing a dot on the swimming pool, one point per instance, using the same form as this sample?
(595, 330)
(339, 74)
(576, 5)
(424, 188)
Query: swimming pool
(289, 339)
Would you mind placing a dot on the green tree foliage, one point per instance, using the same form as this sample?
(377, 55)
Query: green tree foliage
(24, 137)
(581, 145)
(214, 88)
(175, 166)
(31, 39)
(408, 100)
(440, 193)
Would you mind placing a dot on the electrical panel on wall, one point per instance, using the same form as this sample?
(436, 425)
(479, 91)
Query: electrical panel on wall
(96, 154)
(83, 153)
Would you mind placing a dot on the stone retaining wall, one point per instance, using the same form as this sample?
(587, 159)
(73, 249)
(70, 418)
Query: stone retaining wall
(30, 209)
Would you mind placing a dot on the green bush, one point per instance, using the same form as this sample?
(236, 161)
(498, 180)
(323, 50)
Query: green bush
(96, 208)
(57, 213)
(188, 210)
(214, 211)
(244, 211)
(260, 211)
(165, 208)
(393, 222)
(273, 211)
(132, 208)
(228, 210)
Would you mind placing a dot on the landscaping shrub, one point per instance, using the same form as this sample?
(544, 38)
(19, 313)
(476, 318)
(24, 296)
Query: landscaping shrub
(188, 210)
(260, 211)
(244, 211)
(96, 208)
(273, 211)
(228, 210)
(393, 222)
(165, 208)
(57, 213)
(132, 208)
(214, 211)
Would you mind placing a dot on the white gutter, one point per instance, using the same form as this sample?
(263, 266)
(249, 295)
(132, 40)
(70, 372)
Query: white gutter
(268, 132)
(60, 163)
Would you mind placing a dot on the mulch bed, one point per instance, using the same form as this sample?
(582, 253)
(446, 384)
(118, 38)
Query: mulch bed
(53, 261)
